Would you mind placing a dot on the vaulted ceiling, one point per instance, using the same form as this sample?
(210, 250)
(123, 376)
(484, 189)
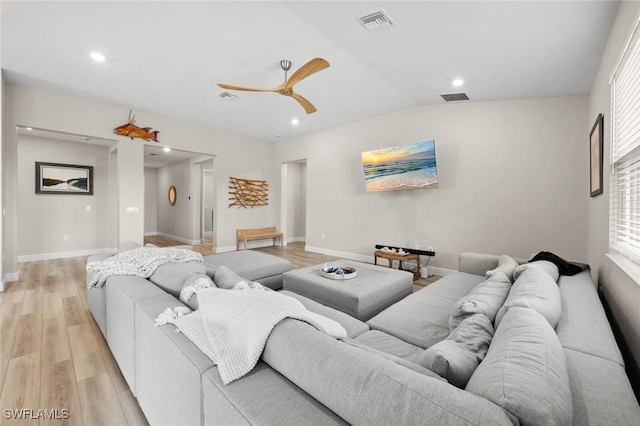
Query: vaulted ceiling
(166, 57)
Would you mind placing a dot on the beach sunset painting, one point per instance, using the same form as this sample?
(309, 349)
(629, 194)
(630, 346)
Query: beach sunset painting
(400, 167)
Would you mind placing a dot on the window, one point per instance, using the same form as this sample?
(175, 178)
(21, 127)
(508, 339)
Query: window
(624, 229)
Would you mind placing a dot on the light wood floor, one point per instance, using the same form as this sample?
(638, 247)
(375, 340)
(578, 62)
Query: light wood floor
(53, 355)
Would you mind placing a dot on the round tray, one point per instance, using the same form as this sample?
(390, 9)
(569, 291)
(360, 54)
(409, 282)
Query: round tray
(339, 273)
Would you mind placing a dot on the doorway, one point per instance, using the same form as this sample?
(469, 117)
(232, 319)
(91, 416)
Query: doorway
(208, 210)
(293, 215)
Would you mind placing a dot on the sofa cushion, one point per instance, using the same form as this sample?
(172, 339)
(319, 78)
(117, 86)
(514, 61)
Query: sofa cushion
(250, 264)
(601, 392)
(422, 318)
(226, 279)
(357, 385)
(525, 371)
(583, 324)
(485, 298)
(457, 357)
(386, 343)
(534, 289)
(506, 265)
(193, 283)
(353, 326)
(171, 276)
(545, 265)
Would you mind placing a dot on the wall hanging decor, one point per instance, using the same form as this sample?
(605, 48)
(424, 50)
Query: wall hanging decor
(55, 178)
(133, 131)
(173, 195)
(596, 143)
(248, 192)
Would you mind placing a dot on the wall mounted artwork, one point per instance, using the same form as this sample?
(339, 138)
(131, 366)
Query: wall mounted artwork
(55, 178)
(596, 143)
(248, 192)
(132, 131)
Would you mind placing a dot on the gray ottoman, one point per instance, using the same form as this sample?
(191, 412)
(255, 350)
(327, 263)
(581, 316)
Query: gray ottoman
(252, 265)
(371, 291)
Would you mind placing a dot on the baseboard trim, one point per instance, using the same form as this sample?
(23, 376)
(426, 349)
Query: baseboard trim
(225, 249)
(180, 239)
(64, 254)
(10, 277)
(340, 254)
(151, 234)
(295, 240)
(433, 270)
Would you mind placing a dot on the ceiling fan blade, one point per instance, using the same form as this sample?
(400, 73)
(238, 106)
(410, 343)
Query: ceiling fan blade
(311, 67)
(242, 88)
(308, 106)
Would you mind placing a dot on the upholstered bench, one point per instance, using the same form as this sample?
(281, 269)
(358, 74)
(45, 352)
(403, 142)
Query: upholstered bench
(252, 265)
(371, 291)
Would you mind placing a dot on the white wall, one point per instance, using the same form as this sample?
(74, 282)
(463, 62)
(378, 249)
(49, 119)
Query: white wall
(237, 156)
(43, 219)
(177, 221)
(512, 179)
(150, 201)
(621, 290)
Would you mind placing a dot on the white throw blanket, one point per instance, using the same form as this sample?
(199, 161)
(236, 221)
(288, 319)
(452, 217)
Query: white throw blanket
(140, 262)
(232, 327)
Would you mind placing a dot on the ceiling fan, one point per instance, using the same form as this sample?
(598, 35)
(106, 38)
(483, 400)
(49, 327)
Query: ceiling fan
(286, 88)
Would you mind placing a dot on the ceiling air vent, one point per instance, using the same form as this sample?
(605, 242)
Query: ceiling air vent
(228, 96)
(450, 97)
(377, 20)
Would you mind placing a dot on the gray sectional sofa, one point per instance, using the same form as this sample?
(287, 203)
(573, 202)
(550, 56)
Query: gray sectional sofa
(375, 376)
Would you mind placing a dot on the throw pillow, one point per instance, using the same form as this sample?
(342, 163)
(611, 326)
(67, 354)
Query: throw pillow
(225, 278)
(506, 265)
(195, 282)
(534, 289)
(525, 371)
(545, 265)
(171, 276)
(457, 357)
(485, 298)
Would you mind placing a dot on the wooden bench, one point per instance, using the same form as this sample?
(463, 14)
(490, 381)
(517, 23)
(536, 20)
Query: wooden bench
(257, 234)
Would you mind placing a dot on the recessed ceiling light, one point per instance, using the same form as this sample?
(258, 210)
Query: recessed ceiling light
(457, 82)
(166, 149)
(85, 138)
(97, 56)
(29, 129)
(295, 121)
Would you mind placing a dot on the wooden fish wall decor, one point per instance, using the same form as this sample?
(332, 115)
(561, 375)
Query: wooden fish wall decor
(133, 131)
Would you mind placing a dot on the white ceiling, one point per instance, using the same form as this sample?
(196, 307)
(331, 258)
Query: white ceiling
(155, 156)
(166, 57)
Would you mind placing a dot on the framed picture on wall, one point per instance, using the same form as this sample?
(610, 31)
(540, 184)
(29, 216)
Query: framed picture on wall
(54, 178)
(596, 142)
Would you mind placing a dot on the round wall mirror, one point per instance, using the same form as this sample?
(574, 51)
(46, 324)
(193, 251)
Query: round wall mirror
(172, 195)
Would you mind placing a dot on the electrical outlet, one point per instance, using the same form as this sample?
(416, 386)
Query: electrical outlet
(430, 248)
(322, 236)
(88, 208)
(416, 246)
(65, 238)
